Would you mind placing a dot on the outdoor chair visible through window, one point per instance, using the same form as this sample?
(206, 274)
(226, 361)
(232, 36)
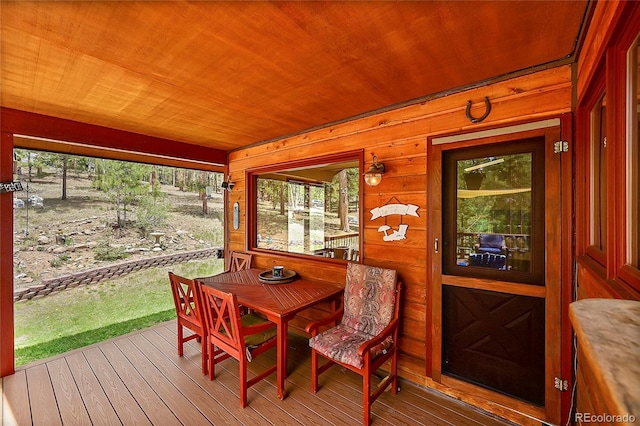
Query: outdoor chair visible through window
(491, 243)
(491, 252)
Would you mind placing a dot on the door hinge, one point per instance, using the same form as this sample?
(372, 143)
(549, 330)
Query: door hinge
(560, 146)
(561, 384)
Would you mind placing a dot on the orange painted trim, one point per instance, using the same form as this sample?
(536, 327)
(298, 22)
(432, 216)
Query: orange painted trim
(49, 145)
(43, 126)
(7, 360)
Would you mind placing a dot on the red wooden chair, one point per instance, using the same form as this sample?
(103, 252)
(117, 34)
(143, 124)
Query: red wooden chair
(189, 314)
(239, 261)
(241, 337)
(367, 335)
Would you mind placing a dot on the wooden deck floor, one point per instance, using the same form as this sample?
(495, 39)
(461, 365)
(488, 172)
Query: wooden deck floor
(139, 379)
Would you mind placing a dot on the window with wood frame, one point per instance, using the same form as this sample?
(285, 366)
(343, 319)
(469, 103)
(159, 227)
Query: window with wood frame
(608, 202)
(490, 211)
(309, 207)
(599, 175)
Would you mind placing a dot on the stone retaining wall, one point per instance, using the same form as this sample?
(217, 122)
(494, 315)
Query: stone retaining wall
(93, 276)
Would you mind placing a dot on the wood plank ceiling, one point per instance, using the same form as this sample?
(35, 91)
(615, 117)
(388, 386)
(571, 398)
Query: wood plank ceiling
(229, 74)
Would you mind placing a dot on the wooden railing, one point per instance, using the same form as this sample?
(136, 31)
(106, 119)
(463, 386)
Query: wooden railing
(345, 246)
(350, 240)
(512, 241)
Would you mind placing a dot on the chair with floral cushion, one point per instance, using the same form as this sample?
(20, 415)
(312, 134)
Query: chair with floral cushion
(367, 335)
(228, 334)
(186, 298)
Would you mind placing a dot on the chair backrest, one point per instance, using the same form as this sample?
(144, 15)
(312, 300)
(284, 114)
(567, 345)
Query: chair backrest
(492, 241)
(186, 297)
(369, 298)
(239, 261)
(340, 252)
(222, 319)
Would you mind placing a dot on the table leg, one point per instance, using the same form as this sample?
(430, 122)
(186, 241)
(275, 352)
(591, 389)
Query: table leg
(282, 356)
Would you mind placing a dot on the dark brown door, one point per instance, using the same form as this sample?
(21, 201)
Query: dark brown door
(492, 313)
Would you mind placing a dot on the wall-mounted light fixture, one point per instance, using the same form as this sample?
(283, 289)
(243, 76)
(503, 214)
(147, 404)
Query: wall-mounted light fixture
(373, 176)
(227, 185)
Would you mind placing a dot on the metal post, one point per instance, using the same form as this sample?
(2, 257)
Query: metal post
(26, 231)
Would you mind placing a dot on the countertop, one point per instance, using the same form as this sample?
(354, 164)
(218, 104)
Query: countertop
(608, 334)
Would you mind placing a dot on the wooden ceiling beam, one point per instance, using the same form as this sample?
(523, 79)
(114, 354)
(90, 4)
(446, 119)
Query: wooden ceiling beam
(59, 129)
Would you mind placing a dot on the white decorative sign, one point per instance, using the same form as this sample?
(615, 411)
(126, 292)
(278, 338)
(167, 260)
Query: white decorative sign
(397, 234)
(390, 210)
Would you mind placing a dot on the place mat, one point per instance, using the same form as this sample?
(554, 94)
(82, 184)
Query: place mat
(267, 277)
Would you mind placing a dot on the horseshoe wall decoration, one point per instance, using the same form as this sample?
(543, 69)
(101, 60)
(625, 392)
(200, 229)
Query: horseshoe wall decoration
(485, 115)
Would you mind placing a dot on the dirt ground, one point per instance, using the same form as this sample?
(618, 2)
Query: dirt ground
(59, 237)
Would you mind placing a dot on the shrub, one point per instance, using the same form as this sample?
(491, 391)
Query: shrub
(59, 260)
(151, 214)
(104, 251)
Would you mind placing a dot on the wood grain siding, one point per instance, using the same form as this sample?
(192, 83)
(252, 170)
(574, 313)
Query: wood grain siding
(399, 139)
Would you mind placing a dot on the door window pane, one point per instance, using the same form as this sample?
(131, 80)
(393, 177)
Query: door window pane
(494, 211)
(633, 159)
(599, 175)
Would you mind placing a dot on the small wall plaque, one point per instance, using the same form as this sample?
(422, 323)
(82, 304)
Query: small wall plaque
(10, 187)
(393, 209)
(236, 215)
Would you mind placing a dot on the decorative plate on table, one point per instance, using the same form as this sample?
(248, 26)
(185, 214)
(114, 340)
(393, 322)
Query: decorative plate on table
(287, 276)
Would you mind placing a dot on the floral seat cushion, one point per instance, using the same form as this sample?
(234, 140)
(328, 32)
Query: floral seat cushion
(341, 344)
(369, 303)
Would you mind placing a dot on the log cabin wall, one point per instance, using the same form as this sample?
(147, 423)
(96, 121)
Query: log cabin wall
(399, 139)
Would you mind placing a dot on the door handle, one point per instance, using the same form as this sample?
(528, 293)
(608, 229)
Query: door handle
(436, 245)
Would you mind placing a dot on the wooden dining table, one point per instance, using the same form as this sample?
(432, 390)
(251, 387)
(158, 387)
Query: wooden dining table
(279, 302)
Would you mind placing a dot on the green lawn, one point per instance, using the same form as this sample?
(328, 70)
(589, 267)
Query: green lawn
(82, 316)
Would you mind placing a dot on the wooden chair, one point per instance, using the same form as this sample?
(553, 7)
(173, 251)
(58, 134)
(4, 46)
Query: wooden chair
(186, 298)
(367, 335)
(241, 337)
(239, 261)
